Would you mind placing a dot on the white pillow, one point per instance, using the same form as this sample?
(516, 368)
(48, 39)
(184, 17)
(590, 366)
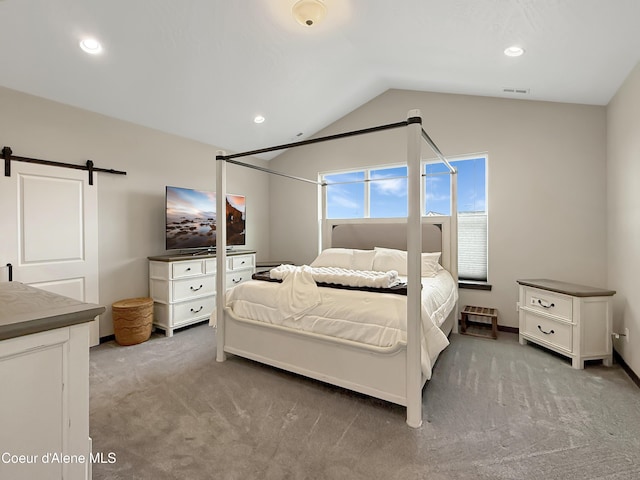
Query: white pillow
(430, 264)
(345, 258)
(390, 259)
(334, 257)
(363, 259)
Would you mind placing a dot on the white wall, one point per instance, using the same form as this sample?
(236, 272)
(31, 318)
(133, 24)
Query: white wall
(131, 207)
(623, 213)
(546, 194)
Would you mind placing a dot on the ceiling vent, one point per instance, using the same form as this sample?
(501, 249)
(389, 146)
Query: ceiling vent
(521, 91)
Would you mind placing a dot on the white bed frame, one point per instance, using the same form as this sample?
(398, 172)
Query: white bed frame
(393, 374)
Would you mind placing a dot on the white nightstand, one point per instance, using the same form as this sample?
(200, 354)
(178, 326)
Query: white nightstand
(573, 320)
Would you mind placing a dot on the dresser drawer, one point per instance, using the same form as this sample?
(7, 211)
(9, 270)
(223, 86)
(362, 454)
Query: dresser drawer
(549, 302)
(547, 330)
(240, 261)
(235, 278)
(193, 287)
(192, 310)
(186, 269)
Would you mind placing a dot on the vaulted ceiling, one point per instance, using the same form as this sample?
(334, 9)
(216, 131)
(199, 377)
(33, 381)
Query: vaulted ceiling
(203, 69)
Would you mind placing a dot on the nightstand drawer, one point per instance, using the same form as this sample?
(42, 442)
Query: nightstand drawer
(186, 269)
(547, 330)
(549, 302)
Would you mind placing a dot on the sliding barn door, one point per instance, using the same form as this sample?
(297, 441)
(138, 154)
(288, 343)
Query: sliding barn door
(49, 222)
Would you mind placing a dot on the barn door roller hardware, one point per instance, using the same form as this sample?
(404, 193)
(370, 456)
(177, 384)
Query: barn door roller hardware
(7, 154)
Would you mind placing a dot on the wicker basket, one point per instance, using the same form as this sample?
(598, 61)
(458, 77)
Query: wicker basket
(132, 319)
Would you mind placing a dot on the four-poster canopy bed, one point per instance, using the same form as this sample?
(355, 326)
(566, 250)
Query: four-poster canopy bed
(395, 372)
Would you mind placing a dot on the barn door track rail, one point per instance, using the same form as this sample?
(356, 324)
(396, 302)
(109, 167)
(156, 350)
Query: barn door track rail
(8, 155)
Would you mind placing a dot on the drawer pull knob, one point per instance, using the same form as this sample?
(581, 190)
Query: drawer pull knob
(198, 310)
(236, 281)
(546, 333)
(195, 289)
(188, 269)
(545, 305)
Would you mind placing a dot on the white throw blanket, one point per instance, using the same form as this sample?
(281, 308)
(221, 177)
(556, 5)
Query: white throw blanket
(299, 291)
(340, 276)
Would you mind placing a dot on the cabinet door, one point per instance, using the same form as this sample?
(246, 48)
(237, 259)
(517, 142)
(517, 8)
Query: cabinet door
(44, 391)
(34, 404)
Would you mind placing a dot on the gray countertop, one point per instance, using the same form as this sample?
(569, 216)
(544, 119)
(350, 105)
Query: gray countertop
(25, 310)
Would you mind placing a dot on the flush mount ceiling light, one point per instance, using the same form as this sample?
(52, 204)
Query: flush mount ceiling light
(514, 51)
(258, 119)
(90, 45)
(309, 12)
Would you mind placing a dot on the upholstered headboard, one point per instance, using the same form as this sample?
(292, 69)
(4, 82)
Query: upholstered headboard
(367, 234)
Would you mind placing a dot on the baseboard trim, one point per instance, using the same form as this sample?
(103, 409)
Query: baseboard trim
(108, 338)
(626, 368)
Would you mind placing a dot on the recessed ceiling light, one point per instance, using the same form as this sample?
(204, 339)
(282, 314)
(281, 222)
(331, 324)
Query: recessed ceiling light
(514, 51)
(258, 119)
(91, 45)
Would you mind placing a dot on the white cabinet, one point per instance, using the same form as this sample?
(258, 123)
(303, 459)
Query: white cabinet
(573, 320)
(44, 384)
(183, 288)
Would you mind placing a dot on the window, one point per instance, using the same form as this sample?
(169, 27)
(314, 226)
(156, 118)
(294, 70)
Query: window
(375, 193)
(388, 194)
(382, 193)
(472, 211)
(345, 195)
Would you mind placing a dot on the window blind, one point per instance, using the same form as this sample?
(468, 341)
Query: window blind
(472, 246)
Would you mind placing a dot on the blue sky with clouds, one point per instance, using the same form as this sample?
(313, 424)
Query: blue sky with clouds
(388, 194)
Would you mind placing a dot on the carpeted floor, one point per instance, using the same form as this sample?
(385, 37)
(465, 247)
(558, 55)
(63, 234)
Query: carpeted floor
(165, 409)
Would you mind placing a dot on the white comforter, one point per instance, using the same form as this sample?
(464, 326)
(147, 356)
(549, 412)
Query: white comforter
(367, 317)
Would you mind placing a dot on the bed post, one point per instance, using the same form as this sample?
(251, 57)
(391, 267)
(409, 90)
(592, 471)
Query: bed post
(325, 234)
(221, 251)
(414, 267)
(453, 246)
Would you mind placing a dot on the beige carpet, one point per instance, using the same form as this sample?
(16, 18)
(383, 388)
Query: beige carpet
(493, 410)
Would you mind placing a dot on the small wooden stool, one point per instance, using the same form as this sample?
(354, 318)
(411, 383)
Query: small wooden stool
(490, 313)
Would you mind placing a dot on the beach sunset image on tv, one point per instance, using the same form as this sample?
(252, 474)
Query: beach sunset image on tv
(236, 221)
(191, 218)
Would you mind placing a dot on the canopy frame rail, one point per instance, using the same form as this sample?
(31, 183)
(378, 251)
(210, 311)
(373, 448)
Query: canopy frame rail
(327, 138)
(267, 170)
(437, 151)
(8, 156)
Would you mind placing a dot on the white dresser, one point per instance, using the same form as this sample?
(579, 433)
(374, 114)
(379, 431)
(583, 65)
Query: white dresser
(573, 320)
(183, 288)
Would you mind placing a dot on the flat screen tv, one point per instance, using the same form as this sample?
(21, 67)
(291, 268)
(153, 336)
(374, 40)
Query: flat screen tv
(191, 219)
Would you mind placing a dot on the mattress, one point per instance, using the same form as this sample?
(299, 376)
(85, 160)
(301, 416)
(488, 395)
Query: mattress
(370, 318)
